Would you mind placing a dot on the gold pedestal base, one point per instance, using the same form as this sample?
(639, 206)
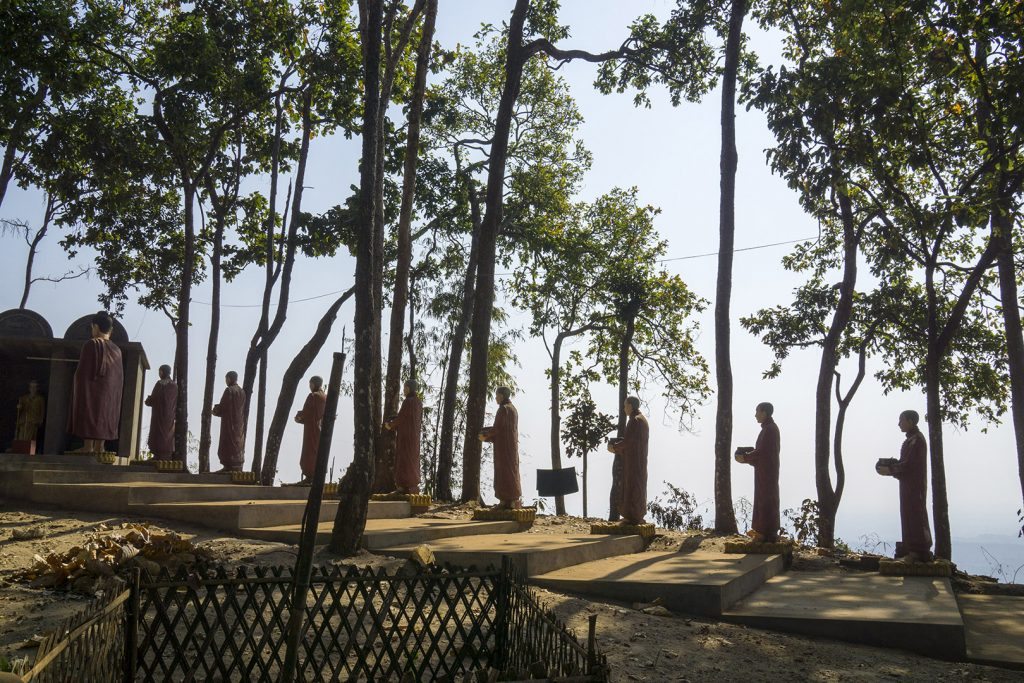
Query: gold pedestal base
(521, 515)
(896, 568)
(106, 458)
(244, 478)
(645, 531)
(169, 465)
(418, 502)
(331, 490)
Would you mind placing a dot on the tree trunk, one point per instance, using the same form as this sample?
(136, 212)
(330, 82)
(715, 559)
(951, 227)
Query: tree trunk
(446, 453)
(33, 247)
(844, 404)
(206, 418)
(556, 414)
(725, 516)
(1002, 222)
(261, 411)
(585, 515)
(940, 502)
(384, 477)
(354, 488)
(827, 504)
(483, 301)
(256, 347)
(181, 329)
(620, 429)
(293, 376)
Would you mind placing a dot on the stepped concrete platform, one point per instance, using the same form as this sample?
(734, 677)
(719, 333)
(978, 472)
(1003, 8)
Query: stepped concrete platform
(531, 554)
(382, 535)
(233, 515)
(994, 626)
(697, 582)
(914, 612)
(119, 496)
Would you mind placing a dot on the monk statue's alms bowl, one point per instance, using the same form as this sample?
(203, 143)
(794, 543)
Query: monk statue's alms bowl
(886, 466)
(613, 442)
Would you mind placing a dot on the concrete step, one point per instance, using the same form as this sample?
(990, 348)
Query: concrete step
(697, 582)
(107, 474)
(915, 613)
(531, 554)
(382, 535)
(994, 629)
(116, 497)
(241, 514)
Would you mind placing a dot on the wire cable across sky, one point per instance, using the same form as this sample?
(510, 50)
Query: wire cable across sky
(664, 260)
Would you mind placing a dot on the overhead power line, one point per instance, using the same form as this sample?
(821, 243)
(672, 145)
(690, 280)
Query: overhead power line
(664, 260)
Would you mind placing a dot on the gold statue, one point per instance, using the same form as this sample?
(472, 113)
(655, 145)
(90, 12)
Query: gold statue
(31, 411)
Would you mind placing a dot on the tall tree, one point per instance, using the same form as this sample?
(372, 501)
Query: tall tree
(354, 488)
(384, 468)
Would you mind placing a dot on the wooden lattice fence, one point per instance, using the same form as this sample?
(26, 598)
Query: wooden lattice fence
(360, 625)
(89, 647)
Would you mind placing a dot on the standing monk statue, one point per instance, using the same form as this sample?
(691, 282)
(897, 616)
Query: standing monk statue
(163, 401)
(311, 418)
(632, 450)
(31, 412)
(231, 411)
(765, 459)
(504, 434)
(408, 425)
(96, 393)
(912, 472)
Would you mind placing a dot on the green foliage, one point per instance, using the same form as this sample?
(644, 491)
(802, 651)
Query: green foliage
(678, 511)
(585, 427)
(677, 54)
(804, 522)
(633, 290)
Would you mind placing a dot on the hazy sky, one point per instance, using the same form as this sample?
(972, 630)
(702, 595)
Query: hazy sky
(671, 155)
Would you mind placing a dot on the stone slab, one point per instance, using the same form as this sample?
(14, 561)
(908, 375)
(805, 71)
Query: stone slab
(531, 554)
(116, 497)
(381, 535)
(705, 583)
(915, 613)
(994, 626)
(241, 514)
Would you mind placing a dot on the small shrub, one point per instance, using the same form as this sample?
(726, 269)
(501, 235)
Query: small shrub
(677, 512)
(805, 522)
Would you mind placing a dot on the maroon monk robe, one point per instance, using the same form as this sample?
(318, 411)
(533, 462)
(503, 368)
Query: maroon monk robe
(408, 426)
(912, 472)
(765, 459)
(633, 496)
(96, 393)
(311, 417)
(163, 401)
(504, 434)
(230, 410)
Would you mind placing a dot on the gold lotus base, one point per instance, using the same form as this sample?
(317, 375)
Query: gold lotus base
(244, 478)
(521, 515)
(331, 490)
(759, 548)
(645, 531)
(418, 502)
(106, 458)
(897, 568)
(169, 465)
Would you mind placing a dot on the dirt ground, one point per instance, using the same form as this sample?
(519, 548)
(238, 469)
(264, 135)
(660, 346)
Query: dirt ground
(639, 646)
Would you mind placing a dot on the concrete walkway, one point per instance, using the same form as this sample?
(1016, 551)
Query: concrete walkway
(381, 535)
(914, 613)
(696, 582)
(995, 629)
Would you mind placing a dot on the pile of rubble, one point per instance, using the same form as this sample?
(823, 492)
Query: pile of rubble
(110, 552)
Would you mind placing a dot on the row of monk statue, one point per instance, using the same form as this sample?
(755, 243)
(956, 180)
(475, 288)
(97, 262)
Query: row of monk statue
(96, 401)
